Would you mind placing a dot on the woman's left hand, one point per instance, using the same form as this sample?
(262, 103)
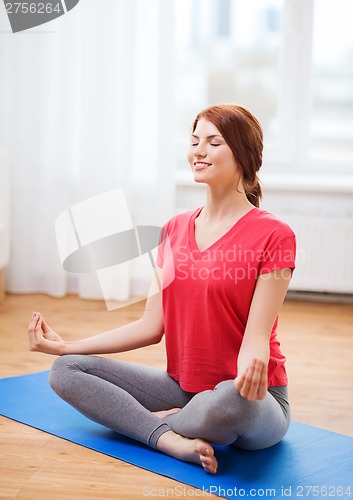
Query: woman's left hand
(252, 384)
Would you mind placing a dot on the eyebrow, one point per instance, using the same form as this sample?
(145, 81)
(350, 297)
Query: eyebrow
(208, 137)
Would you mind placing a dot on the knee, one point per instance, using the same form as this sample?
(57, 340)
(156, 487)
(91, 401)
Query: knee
(229, 398)
(227, 413)
(60, 372)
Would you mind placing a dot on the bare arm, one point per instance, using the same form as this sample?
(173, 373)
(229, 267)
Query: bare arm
(254, 353)
(147, 330)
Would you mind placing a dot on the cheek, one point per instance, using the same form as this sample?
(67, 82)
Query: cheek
(220, 156)
(227, 158)
(190, 157)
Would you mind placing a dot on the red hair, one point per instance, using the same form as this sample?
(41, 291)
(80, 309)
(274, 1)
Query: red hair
(243, 134)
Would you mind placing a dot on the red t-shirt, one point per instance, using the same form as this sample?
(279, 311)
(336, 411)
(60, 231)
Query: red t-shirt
(207, 295)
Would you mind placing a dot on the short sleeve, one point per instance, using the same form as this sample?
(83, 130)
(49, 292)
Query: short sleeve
(278, 254)
(161, 247)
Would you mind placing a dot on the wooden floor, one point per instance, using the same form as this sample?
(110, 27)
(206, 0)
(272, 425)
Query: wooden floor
(318, 342)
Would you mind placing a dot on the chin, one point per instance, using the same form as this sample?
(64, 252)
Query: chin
(200, 176)
(200, 180)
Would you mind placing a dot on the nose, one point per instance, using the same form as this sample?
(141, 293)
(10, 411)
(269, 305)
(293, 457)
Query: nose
(200, 150)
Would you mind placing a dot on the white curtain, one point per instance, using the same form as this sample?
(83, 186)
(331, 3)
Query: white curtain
(87, 106)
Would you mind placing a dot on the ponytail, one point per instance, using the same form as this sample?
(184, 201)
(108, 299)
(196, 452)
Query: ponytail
(254, 192)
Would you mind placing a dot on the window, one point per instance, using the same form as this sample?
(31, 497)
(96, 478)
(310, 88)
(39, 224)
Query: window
(228, 51)
(289, 61)
(331, 127)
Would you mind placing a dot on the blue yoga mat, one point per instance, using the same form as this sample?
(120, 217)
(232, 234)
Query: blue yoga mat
(307, 463)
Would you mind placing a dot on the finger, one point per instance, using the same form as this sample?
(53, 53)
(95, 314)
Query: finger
(38, 330)
(45, 326)
(33, 317)
(241, 383)
(32, 324)
(39, 319)
(238, 382)
(32, 332)
(255, 380)
(247, 380)
(262, 392)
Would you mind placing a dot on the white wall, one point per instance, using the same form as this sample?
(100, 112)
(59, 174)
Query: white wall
(4, 211)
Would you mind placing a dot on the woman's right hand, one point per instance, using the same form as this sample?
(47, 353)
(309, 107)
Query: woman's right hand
(41, 338)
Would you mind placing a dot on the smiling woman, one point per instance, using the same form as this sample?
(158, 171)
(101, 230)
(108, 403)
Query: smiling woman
(238, 148)
(209, 153)
(226, 381)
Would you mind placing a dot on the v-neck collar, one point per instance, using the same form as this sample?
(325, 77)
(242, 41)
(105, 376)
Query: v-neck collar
(192, 239)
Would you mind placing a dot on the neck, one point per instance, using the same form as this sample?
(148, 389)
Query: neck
(221, 205)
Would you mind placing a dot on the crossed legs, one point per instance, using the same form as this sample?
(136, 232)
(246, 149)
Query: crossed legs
(127, 398)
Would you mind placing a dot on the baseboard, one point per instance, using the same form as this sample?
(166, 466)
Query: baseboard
(336, 298)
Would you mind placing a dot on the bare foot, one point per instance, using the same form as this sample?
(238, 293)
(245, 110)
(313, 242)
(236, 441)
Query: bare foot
(164, 413)
(196, 450)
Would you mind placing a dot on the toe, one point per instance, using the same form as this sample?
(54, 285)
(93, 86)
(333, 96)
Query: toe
(209, 465)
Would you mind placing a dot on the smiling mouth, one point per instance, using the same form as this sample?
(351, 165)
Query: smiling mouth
(199, 165)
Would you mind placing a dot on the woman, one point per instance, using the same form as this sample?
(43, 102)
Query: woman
(231, 264)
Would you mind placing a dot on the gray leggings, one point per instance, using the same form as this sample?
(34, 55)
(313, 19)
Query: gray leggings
(122, 395)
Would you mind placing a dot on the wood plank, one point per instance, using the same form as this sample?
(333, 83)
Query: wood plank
(2, 284)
